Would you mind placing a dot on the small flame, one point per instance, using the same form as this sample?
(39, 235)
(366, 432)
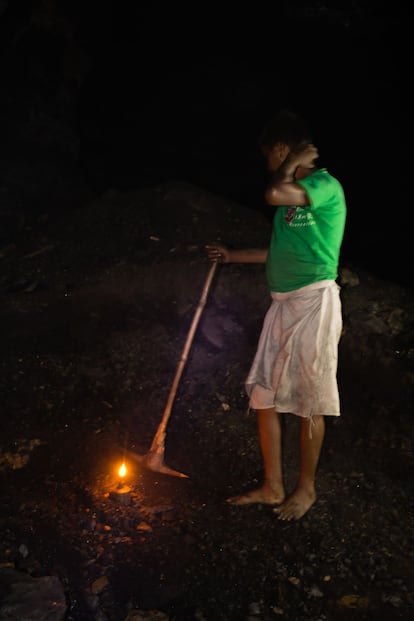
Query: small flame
(122, 470)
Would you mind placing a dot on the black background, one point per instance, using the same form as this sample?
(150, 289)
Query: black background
(133, 95)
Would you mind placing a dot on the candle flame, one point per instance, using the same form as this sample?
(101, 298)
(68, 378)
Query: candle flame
(122, 470)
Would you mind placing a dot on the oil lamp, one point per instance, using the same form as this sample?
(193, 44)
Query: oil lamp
(122, 493)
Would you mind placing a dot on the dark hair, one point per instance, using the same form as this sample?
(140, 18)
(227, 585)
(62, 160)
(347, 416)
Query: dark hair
(287, 127)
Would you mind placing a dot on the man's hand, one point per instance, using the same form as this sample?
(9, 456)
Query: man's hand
(218, 253)
(304, 156)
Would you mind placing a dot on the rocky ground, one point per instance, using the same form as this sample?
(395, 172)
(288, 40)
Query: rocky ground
(96, 306)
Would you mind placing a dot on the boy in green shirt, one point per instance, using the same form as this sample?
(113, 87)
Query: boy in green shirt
(294, 369)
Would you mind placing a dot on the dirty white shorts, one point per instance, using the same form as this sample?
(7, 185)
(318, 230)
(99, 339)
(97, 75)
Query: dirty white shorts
(295, 366)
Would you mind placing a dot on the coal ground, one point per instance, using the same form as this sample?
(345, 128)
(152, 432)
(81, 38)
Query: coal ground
(96, 307)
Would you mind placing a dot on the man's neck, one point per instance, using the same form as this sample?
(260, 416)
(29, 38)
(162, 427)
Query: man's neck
(301, 173)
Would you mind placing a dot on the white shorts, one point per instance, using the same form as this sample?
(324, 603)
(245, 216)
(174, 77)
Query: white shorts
(295, 366)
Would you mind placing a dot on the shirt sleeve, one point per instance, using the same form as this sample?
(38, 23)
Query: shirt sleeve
(320, 188)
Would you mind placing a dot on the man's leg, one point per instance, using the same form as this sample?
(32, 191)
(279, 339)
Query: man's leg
(310, 449)
(270, 438)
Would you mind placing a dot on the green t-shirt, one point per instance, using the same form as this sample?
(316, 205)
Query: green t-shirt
(306, 241)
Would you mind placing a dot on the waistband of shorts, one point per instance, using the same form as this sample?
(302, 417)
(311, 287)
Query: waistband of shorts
(321, 284)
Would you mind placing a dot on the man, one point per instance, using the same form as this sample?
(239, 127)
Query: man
(295, 366)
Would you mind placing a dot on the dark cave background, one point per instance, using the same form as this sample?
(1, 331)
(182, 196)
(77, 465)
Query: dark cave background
(107, 95)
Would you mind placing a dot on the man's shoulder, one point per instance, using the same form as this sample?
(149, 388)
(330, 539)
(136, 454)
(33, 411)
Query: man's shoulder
(320, 176)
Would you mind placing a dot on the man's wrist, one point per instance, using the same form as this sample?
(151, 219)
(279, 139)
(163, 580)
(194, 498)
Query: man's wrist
(288, 169)
(285, 173)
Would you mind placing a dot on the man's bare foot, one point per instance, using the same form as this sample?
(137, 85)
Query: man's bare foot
(296, 505)
(264, 495)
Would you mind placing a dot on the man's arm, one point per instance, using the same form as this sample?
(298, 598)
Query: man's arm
(222, 254)
(283, 189)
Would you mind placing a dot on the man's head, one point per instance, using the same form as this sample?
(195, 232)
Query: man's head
(285, 132)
